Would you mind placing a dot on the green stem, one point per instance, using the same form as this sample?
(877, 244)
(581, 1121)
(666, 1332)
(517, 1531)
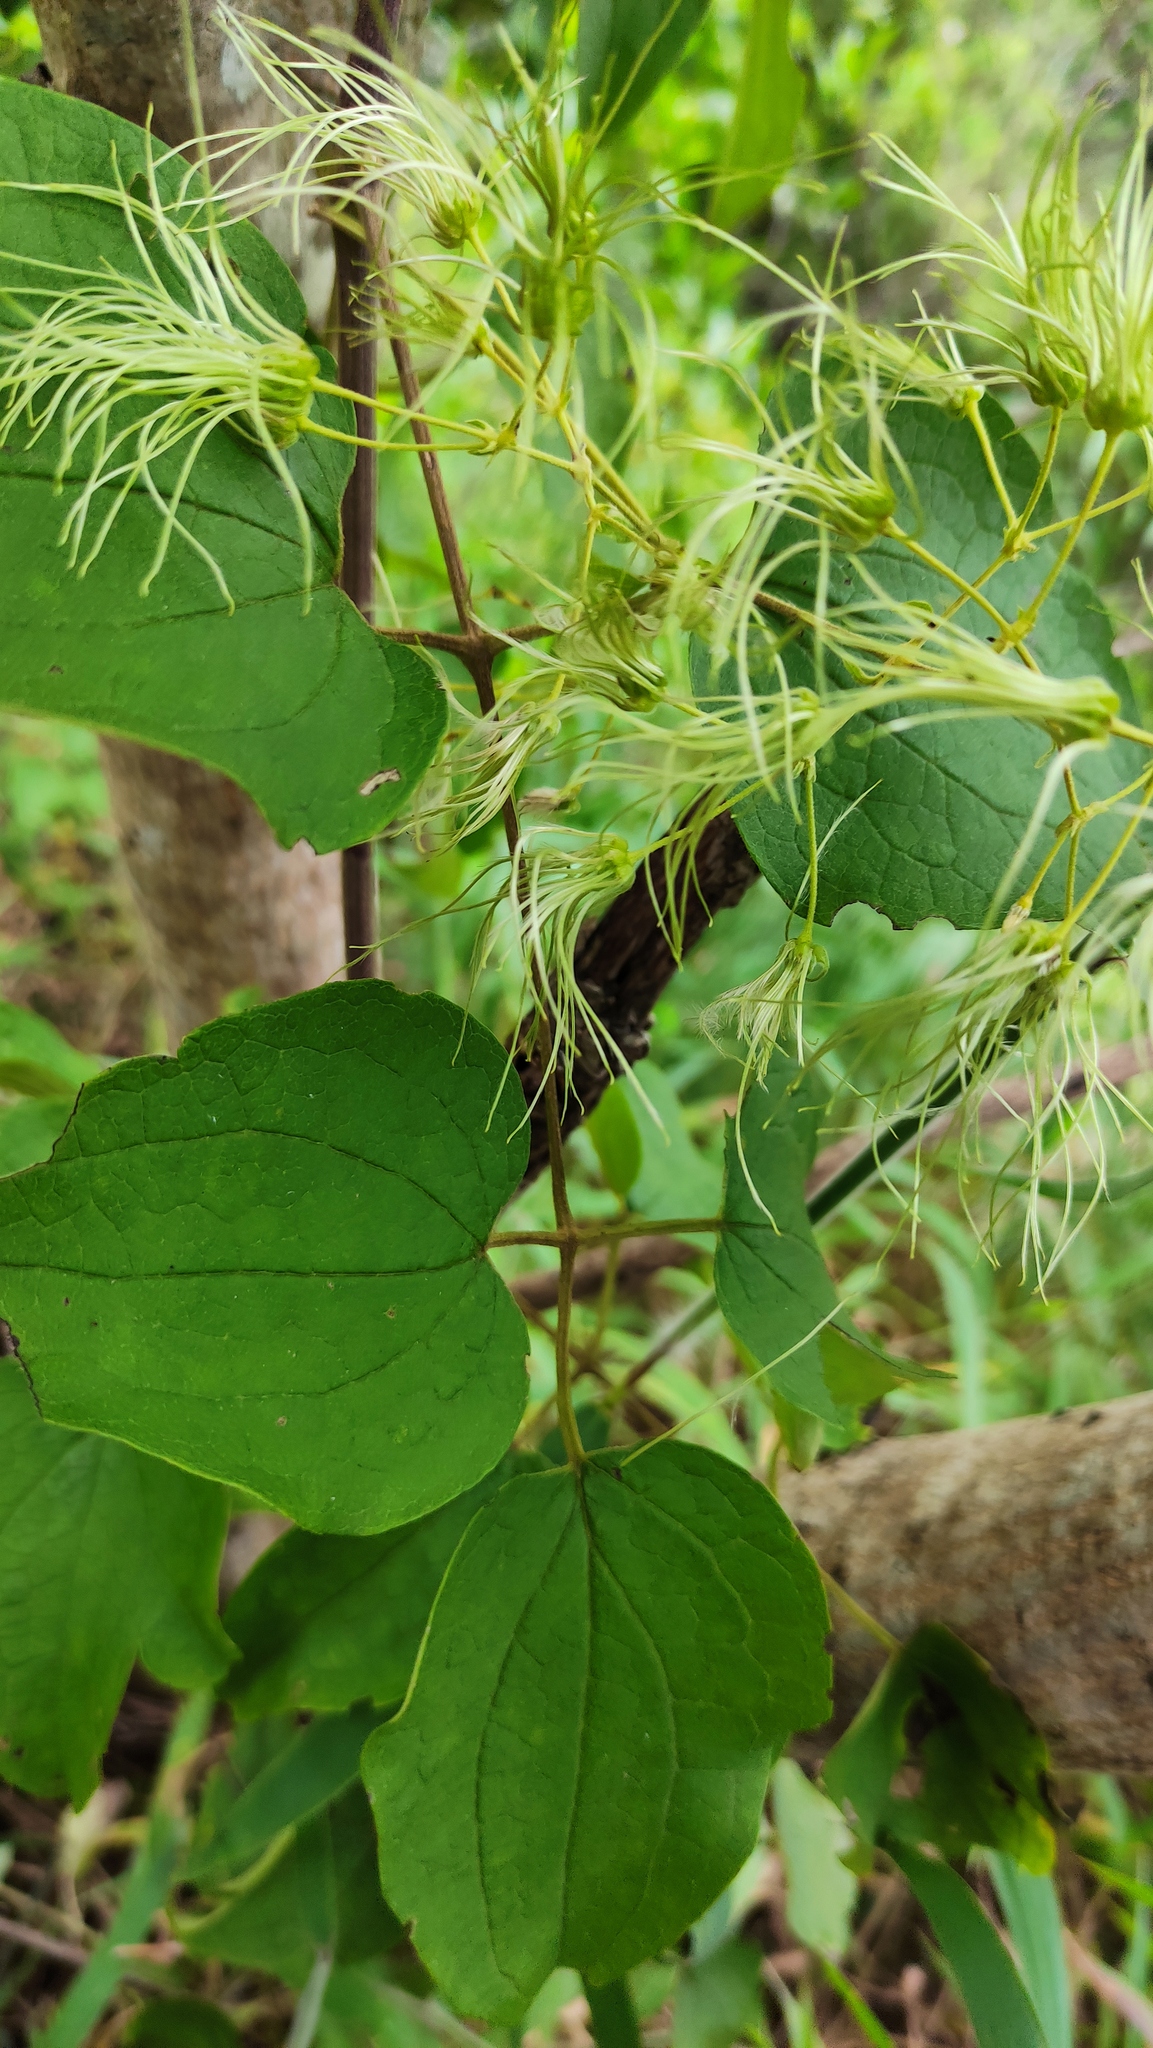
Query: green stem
(850, 1997)
(973, 415)
(811, 822)
(939, 568)
(613, 2019)
(860, 1614)
(870, 1159)
(1075, 915)
(1098, 512)
(1070, 1191)
(591, 1357)
(1122, 730)
(604, 1233)
(1025, 621)
(566, 1414)
(1018, 528)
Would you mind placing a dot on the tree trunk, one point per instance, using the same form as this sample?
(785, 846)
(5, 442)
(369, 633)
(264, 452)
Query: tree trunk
(223, 905)
(1032, 1540)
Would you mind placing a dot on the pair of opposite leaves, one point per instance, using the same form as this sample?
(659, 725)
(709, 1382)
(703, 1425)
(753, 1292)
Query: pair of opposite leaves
(264, 1261)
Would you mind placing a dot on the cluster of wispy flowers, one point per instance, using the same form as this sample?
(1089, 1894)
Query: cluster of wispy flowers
(132, 369)
(1075, 281)
(481, 766)
(135, 369)
(769, 1010)
(350, 126)
(1028, 989)
(918, 659)
(558, 880)
(694, 757)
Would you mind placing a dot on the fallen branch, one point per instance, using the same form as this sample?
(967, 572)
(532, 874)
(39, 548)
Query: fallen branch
(1032, 1539)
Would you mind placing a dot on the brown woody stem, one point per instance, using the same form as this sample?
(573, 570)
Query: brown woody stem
(357, 360)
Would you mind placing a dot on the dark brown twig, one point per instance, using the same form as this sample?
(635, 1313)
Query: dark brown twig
(625, 962)
(463, 645)
(357, 362)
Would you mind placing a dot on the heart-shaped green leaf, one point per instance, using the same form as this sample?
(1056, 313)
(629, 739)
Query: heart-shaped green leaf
(104, 1556)
(613, 1663)
(326, 728)
(264, 1259)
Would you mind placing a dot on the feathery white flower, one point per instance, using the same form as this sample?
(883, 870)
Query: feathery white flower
(352, 121)
(133, 369)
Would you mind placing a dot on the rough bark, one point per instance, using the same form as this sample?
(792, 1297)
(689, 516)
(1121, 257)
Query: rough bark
(624, 963)
(224, 907)
(1032, 1539)
(222, 904)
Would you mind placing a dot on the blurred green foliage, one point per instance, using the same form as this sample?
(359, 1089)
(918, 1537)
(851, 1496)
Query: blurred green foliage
(19, 42)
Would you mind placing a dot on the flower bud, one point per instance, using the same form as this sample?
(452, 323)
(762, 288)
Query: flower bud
(286, 375)
(553, 302)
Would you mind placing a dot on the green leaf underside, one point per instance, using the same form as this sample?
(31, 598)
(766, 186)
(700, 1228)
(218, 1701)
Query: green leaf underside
(1000, 2008)
(264, 1260)
(321, 1891)
(943, 807)
(611, 1667)
(302, 710)
(771, 1281)
(980, 1763)
(857, 1373)
(105, 1555)
(625, 48)
(321, 1621)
